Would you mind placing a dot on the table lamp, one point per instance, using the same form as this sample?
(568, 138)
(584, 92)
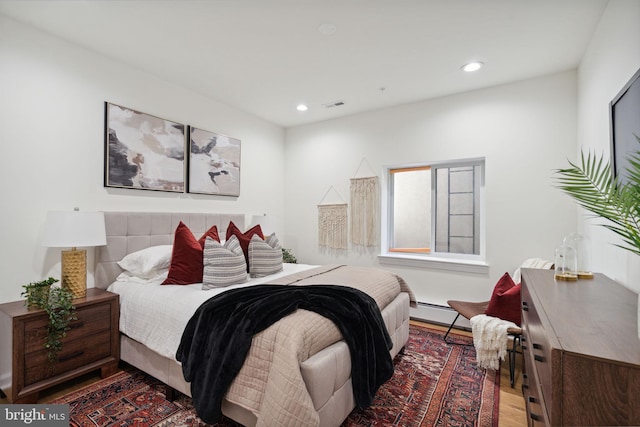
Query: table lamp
(268, 223)
(72, 229)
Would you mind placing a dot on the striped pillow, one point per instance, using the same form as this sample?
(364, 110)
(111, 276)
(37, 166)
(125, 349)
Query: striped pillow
(265, 256)
(223, 265)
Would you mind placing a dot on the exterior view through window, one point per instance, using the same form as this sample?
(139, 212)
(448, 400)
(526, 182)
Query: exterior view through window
(436, 208)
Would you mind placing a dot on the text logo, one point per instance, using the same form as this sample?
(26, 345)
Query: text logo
(34, 415)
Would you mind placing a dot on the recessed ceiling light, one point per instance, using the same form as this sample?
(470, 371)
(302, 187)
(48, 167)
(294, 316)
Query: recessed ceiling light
(302, 107)
(472, 66)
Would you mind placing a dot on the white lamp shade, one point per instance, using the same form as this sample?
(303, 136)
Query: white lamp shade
(70, 229)
(268, 223)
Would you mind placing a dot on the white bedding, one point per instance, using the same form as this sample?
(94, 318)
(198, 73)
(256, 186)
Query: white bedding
(155, 315)
(270, 385)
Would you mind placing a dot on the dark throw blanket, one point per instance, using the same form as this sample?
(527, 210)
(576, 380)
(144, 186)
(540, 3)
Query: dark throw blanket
(217, 338)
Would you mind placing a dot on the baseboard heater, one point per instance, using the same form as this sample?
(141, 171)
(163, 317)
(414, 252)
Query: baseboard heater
(438, 314)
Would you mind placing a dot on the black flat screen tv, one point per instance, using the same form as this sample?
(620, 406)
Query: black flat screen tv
(625, 125)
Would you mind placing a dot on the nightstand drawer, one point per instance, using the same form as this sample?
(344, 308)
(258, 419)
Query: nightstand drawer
(91, 320)
(74, 354)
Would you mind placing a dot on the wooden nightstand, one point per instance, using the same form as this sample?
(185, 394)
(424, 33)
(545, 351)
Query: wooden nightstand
(92, 343)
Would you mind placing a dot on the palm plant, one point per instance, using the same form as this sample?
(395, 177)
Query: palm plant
(593, 186)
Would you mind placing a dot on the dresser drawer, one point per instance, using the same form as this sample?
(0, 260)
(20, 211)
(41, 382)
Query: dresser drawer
(533, 398)
(536, 347)
(76, 353)
(91, 320)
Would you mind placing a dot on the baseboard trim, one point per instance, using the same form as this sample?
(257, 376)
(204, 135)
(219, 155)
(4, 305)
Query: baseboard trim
(438, 314)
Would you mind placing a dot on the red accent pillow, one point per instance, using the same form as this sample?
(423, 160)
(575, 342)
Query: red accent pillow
(505, 300)
(211, 232)
(244, 238)
(186, 257)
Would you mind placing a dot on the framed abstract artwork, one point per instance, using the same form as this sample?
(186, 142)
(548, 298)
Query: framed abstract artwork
(214, 163)
(143, 151)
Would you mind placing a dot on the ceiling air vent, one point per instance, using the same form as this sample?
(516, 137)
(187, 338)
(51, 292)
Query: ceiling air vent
(333, 104)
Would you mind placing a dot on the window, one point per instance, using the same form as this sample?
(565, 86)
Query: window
(411, 216)
(434, 213)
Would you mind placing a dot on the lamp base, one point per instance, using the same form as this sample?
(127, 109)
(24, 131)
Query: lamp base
(74, 272)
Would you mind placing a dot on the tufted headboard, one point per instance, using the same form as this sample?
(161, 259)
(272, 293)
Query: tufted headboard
(128, 232)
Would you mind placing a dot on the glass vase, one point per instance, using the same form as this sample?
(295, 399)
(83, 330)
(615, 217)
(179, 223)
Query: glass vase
(583, 260)
(566, 263)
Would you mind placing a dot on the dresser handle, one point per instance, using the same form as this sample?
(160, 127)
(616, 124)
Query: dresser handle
(71, 356)
(525, 306)
(524, 347)
(537, 346)
(532, 399)
(76, 325)
(538, 358)
(535, 417)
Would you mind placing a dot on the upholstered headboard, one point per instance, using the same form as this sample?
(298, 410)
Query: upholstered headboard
(128, 232)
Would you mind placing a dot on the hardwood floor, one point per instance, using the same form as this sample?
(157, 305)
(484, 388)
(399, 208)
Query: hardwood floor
(512, 410)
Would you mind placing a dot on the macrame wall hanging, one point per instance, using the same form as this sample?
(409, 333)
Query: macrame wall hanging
(332, 223)
(364, 209)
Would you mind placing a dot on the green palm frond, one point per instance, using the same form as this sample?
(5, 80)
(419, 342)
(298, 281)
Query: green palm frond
(592, 185)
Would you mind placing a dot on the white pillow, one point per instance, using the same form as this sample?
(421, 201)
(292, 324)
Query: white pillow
(147, 262)
(159, 277)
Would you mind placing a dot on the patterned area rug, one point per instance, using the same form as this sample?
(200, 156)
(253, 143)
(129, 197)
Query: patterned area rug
(434, 384)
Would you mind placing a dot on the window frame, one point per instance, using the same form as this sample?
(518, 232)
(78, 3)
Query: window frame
(472, 263)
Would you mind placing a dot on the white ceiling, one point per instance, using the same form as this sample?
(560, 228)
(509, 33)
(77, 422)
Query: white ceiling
(266, 56)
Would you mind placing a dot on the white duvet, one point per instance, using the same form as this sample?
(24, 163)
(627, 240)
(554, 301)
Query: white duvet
(155, 315)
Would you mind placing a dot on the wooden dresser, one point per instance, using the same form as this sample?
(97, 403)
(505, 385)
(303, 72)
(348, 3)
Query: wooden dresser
(92, 343)
(581, 351)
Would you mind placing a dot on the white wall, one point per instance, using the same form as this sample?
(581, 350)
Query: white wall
(525, 130)
(52, 96)
(612, 58)
(51, 146)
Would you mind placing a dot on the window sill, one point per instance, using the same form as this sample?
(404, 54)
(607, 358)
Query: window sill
(449, 264)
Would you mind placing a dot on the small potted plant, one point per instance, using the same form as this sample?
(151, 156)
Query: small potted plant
(57, 302)
(37, 293)
(287, 256)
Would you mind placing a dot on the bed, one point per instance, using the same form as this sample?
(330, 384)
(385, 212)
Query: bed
(266, 392)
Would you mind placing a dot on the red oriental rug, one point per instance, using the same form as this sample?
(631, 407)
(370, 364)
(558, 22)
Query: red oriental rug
(434, 384)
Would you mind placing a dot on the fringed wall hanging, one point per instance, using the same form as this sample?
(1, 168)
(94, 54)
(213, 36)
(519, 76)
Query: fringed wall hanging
(332, 224)
(364, 209)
